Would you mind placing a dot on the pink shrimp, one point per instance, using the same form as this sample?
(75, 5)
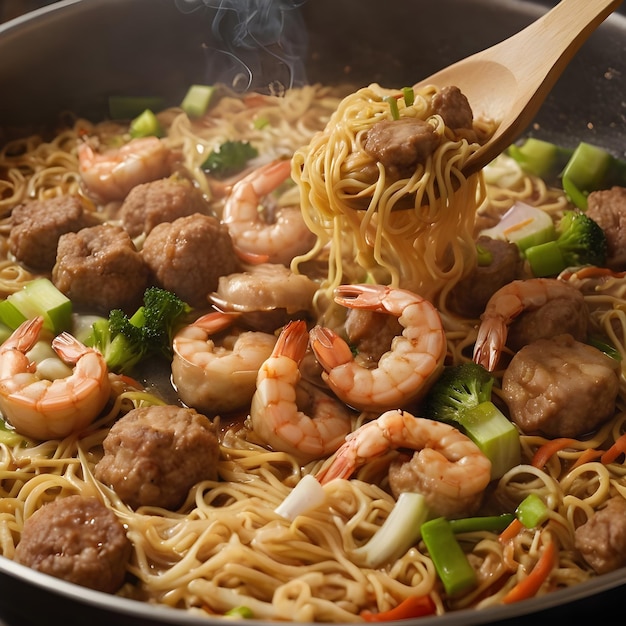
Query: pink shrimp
(48, 409)
(405, 372)
(275, 416)
(450, 470)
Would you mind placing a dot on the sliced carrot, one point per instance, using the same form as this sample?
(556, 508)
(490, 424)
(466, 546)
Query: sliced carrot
(586, 457)
(547, 450)
(619, 447)
(528, 587)
(413, 606)
(512, 530)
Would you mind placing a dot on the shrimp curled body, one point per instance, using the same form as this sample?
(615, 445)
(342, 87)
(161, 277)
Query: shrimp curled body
(404, 373)
(212, 376)
(111, 174)
(508, 303)
(450, 471)
(257, 240)
(48, 409)
(274, 413)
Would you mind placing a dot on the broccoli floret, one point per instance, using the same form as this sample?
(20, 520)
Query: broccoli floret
(126, 341)
(580, 241)
(461, 396)
(231, 158)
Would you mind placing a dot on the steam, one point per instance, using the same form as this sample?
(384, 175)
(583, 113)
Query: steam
(257, 45)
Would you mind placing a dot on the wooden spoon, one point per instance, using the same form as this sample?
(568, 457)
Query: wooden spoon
(509, 81)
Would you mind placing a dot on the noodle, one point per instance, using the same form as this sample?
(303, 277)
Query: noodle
(225, 546)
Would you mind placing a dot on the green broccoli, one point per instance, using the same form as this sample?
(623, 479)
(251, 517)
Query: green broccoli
(126, 341)
(580, 241)
(230, 158)
(461, 396)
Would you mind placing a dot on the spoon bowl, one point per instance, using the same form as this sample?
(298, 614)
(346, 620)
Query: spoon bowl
(509, 81)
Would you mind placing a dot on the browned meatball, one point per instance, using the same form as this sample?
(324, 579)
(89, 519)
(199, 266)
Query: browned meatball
(371, 332)
(454, 108)
(154, 455)
(100, 269)
(555, 317)
(602, 539)
(400, 145)
(37, 225)
(560, 387)
(77, 539)
(159, 201)
(469, 297)
(608, 209)
(188, 256)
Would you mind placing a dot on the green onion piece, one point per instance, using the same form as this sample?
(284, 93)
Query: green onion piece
(451, 563)
(585, 172)
(260, 122)
(604, 346)
(494, 434)
(490, 523)
(307, 495)
(483, 256)
(240, 611)
(532, 511)
(128, 107)
(146, 125)
(197, 100)
(545, 259)
(399, 532)
(409, 96)
(393, 106)
(541, 158)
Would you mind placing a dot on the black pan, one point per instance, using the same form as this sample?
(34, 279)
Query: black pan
(73, 54)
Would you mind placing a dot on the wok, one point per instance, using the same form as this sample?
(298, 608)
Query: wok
(72, 55)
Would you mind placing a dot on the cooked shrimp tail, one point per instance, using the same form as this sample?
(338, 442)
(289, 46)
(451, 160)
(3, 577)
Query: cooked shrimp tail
(275, 416)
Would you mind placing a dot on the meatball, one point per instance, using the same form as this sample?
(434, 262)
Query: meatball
(453, 107)
(401, 145)
(100, 269)
(470, 295)
(371, 332)
(188, 256)
(608, 209)
(77, 539)
(560, 387)
(37, 225)
(154, 455)
(557, 316)
(159, 201)
(602, 539)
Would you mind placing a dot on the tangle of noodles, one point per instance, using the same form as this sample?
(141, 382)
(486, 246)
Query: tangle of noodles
(225, 546)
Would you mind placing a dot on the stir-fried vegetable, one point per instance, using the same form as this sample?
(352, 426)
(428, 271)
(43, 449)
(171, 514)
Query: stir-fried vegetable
(462, 397)
(532, 511)
(146, 125)
(307, 495)
(580, 241)
(125, 341)
(197, 100)
(231, 158)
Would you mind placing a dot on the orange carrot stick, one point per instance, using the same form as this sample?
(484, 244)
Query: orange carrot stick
(413, 606)
(619, 447)
(510, 531)
(545, 452)
(586, 457)
(528, 587)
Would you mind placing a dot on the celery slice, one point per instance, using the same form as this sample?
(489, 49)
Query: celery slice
(146, 125)
(541, 158)
(532, 511)
(197, 100)
(494, 434)
(38, 297)
(452, 565)
(545, 259)
(585, 172)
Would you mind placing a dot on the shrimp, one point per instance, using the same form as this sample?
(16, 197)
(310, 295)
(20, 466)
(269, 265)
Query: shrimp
(110, 175)
(49, 409)
(274, 413)
(506, 304)
(450, 471)
(255, 239)
(213, 377)
(405, 372)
